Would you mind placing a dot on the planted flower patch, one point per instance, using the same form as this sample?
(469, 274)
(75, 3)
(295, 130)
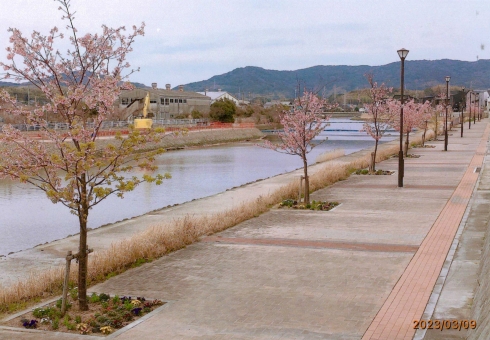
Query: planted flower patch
(314, 205)
(377, 172)
(408, 156)
(106, 314)
(427, 146)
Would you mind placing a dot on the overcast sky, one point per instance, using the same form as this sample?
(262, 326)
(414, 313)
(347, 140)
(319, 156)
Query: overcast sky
(192, 40)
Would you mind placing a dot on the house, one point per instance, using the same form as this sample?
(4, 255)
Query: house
(218, 95)
(480, 98)
(164, 103)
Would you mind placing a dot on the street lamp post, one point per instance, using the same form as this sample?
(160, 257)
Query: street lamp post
(402, 54)
(474, 114)
(478, 103)
(447, 104)
(469, 120)
(462, 112)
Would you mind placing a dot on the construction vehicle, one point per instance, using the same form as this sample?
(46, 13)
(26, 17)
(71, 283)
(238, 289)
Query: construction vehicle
(141, 121)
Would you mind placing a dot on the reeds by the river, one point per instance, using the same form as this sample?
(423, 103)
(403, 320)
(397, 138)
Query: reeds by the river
(329, 155)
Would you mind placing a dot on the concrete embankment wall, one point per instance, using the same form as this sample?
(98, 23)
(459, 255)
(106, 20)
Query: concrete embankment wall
(481, 301)
(206, 137)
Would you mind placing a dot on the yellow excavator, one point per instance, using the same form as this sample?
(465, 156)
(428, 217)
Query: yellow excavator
(142, 121)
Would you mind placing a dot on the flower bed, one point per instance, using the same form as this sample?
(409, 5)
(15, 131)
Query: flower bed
(314, 205)
(408, 156)
(106, 314)
(425, 146)
(377, 172)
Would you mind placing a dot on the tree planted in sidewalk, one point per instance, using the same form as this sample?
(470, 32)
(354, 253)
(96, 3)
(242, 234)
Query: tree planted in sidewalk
(81, 86)
(300, 126)
(378, 111)
(439, 111)
(414, 116)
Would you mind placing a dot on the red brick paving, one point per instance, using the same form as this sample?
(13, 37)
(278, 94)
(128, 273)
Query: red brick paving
(314, 244)
(408, 186)
(434, 163)
(410, 295)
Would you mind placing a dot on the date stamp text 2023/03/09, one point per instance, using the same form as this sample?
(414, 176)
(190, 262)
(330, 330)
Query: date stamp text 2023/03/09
(444, 324)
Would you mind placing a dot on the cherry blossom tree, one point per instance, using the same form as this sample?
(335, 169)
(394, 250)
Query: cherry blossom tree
(379, 114)
(81, 86)
(473, 108)
(301, 125)
(439, 110)
(414, 116)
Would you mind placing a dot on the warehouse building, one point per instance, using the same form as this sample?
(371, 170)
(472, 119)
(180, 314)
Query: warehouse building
(164, 103)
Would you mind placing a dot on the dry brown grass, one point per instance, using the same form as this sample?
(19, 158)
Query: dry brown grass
(429, 135)
(329, 155)
(167, 237)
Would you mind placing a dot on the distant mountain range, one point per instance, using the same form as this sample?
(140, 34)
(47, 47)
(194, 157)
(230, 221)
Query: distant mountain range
(248, 82)
(419, 74)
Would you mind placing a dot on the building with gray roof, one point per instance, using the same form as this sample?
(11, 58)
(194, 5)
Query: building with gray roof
(164, 103)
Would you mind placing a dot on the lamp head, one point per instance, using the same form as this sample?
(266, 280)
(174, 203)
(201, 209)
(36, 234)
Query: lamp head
(402, 53)
(448, 78)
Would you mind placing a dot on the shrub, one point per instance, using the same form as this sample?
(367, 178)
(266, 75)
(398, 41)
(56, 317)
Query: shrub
(94, 298)
(288, 203)
(56, 323)
(104, 297)
(223, 111)
(115, 300)
(60, 301)
(74, 293)
(102, 319)
(196, 114)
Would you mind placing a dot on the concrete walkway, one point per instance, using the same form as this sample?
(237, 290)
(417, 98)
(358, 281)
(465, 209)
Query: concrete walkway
(363, 270)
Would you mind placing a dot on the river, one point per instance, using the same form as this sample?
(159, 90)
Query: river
(28, 218)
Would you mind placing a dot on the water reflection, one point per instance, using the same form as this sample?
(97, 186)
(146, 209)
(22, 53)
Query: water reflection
(28, 218)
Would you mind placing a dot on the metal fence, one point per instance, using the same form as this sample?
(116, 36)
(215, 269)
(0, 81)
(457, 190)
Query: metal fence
(114, 124)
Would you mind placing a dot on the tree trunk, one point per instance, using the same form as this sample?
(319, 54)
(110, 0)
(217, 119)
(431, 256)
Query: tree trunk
(423, 136)
(307, 182)
(406, 144)
(82, 249)
(373, 159)
(435, 131)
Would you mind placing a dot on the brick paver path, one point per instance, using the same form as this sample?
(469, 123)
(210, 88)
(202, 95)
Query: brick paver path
(409, 297)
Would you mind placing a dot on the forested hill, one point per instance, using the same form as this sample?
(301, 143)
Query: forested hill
(419, 74)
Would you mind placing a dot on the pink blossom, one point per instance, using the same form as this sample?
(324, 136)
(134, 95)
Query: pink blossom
(379, 113)
(300, 126)
(81, 86)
